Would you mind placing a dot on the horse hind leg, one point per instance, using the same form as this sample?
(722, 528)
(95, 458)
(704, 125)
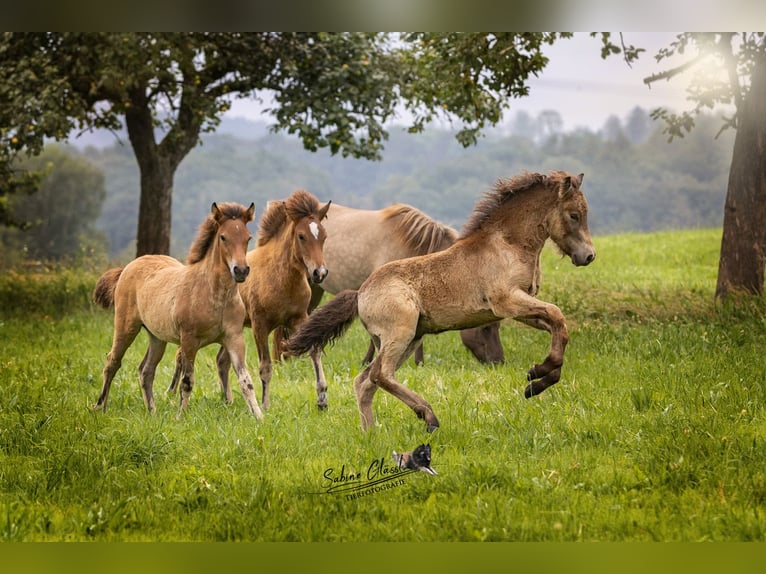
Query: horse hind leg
(390, 358)
(147, 369)
(124, 335)
(364, 389)
(223, 364)
(321, 382)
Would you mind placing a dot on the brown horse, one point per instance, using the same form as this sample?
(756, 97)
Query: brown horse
(288, 257)
(191, 305)
(360, 240)
(490, 273)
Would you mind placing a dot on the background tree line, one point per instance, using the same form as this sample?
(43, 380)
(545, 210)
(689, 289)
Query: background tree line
(339, 91)
(636, 180)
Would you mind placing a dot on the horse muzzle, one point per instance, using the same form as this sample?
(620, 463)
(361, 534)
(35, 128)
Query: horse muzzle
(240, 273)
(582, 258)
(319, 274)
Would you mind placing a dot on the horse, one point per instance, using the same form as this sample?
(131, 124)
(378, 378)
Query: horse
(359, 241)
(490, 273)
(288, 257)
(191, 305)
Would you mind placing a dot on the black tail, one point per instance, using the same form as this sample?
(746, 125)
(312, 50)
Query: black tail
(324, 325)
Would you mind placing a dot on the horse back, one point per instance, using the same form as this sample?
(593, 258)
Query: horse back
(451, 289)
(358, 242)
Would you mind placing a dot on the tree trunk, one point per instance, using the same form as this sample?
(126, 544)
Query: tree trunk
(154, 210)
(157, 164)
(741, 263)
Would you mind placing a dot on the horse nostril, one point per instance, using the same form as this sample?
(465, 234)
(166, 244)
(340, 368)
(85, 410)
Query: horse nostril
(319, 274)
(241, 273)
(590, 257)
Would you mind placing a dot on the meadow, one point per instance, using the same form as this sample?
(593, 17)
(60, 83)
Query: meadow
(656, 431)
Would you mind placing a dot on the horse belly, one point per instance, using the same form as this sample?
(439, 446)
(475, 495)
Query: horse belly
(157, 305)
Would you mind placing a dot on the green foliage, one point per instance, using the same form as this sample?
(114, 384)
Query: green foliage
(47, 291)
(60, 217)
(469, 76)
(722, 64)
(655, 432)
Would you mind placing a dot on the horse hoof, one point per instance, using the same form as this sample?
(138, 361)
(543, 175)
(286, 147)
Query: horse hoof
(432, 427)
(322, 407)
(531, 376)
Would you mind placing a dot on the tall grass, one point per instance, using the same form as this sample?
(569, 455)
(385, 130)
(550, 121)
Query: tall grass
(655, 432)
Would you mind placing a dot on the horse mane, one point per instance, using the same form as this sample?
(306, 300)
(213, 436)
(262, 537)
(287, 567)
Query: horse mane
(300, 204)
(503, 190)
(417, 231)
(208, 228)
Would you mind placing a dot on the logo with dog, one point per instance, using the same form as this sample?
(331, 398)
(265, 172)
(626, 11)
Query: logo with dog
(379, 476)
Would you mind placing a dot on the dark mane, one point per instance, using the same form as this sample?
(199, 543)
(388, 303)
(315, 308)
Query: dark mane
(502, 191)
(300, 204)
(419, 232)
(208, 229)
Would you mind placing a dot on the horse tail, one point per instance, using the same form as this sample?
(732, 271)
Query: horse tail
(325, 324)
(103, 294)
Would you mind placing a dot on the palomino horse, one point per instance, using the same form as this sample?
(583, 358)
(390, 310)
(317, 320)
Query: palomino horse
(191, 305)
(288, 255)
(490, 273)
(359, 241)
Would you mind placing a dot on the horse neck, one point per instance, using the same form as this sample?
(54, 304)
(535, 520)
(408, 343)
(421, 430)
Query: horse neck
(524, 220)
(216, 271)
(280, 249)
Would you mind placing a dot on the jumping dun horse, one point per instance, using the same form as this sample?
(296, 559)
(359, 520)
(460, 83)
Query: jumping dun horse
(360, 240)
(287, 258)
(490, 273)
(191, 305)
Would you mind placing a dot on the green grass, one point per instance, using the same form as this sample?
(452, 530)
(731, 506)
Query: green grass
(655, 432)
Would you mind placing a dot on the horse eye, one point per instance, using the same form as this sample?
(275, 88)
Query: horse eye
(574, 216)
(301, 237)
(223, 238)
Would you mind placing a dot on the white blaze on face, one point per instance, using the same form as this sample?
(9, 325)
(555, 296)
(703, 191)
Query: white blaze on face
(314, 227)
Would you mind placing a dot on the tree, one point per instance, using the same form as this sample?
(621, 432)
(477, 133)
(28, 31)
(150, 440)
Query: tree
(638, 125)
(742, 59)
(331, 90)
(61, 215)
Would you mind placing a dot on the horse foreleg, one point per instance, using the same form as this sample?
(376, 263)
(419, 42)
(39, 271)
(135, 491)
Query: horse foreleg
(261, 335)
(176, 374)
(234, 349)
(148, 367)
(188, 355)
(547, 317)
(223, 364)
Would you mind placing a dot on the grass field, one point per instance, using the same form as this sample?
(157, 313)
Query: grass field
(656, 431)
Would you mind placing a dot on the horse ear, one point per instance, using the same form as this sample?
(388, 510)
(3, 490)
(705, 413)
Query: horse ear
(322, 213)
(215, 211)
(250, 212)
(566, 186)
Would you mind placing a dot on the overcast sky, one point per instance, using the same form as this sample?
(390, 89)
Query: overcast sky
(581, 86)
